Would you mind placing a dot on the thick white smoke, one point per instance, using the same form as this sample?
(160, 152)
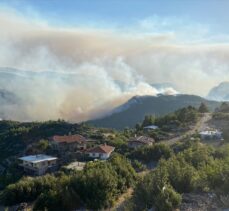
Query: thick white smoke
(87, 91)
(78, 74)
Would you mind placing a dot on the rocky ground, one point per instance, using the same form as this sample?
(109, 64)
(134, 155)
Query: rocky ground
(201, 202)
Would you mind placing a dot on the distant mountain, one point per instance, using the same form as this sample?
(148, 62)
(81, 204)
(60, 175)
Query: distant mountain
(133, 111)
(220, 92)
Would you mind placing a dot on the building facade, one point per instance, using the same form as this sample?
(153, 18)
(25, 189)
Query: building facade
(70, 143)
(211, 135)
(102, 152)
(38, 164)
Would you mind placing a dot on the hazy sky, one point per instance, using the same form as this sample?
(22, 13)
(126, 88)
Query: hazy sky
(105, 13)
(119, 13)
(115, 46)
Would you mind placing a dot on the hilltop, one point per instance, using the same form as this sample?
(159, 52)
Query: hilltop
(134, 110)
(220, 92)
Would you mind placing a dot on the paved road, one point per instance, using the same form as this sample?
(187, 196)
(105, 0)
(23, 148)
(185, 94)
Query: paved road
(202, 124)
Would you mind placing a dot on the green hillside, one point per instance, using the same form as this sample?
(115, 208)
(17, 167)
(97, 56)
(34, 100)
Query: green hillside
(136, 108)
(15, 136)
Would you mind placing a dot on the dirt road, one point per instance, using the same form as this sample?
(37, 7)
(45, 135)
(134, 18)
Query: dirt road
(199, 126)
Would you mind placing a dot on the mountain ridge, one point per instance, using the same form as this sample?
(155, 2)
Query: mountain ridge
(135, 109)
(220, 92)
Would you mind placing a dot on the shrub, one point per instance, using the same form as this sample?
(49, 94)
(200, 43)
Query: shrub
(152, 153)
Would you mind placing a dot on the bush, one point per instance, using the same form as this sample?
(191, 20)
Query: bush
(138, 166)
(27, 189)
(97, 186)
(167, 199)
(197, 168)
(182, 176)
(151, 153)
(203, 108)
(155, 191)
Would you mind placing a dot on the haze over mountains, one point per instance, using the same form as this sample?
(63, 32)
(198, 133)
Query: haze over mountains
(81, 71)
(43, 95)
(29, 95)
(220, 92)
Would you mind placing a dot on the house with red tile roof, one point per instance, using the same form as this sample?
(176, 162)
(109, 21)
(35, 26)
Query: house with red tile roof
(71, 143)
(102, 152)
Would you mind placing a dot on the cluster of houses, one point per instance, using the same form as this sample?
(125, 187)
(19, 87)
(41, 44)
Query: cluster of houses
(69, 144)
(40, 164)
(66, 145)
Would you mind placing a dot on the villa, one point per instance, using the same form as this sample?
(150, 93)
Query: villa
(102, 152)
(38, 165)
(70, 143)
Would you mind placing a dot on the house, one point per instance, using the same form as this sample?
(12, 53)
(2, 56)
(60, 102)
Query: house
(38, 164)
(211, 134)
(150, 128)
(70, 143)
(102, 152)
(139, 141)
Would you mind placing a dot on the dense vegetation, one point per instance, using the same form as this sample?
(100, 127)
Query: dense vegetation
(96, 187)
(148, 154)
(222, 113)
(221, 119)
(15, 136)
(203, 108)
(198, 168)
(185, 167)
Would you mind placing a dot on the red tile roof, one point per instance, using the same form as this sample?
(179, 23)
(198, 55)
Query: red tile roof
(69, 139)
(101, 149)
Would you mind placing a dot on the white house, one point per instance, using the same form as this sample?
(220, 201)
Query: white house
(38, 164)
(102, 152)
(150, 127)
(211, 134)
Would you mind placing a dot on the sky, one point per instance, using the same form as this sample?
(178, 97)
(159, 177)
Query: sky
(119, 13)
(111, 46)
(122, 13)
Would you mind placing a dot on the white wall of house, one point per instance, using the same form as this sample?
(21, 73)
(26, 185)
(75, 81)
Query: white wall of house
(102, 156)
(105, 156)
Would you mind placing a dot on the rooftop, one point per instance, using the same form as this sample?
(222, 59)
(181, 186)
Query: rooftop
(101, 149)
(69, 139)
(210, 132)
(153, 127)
(37, 158)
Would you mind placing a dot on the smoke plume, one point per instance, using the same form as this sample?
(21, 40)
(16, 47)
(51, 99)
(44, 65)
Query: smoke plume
(80, 73)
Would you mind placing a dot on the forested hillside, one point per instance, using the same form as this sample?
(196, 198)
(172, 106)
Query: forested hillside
(134, 111)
